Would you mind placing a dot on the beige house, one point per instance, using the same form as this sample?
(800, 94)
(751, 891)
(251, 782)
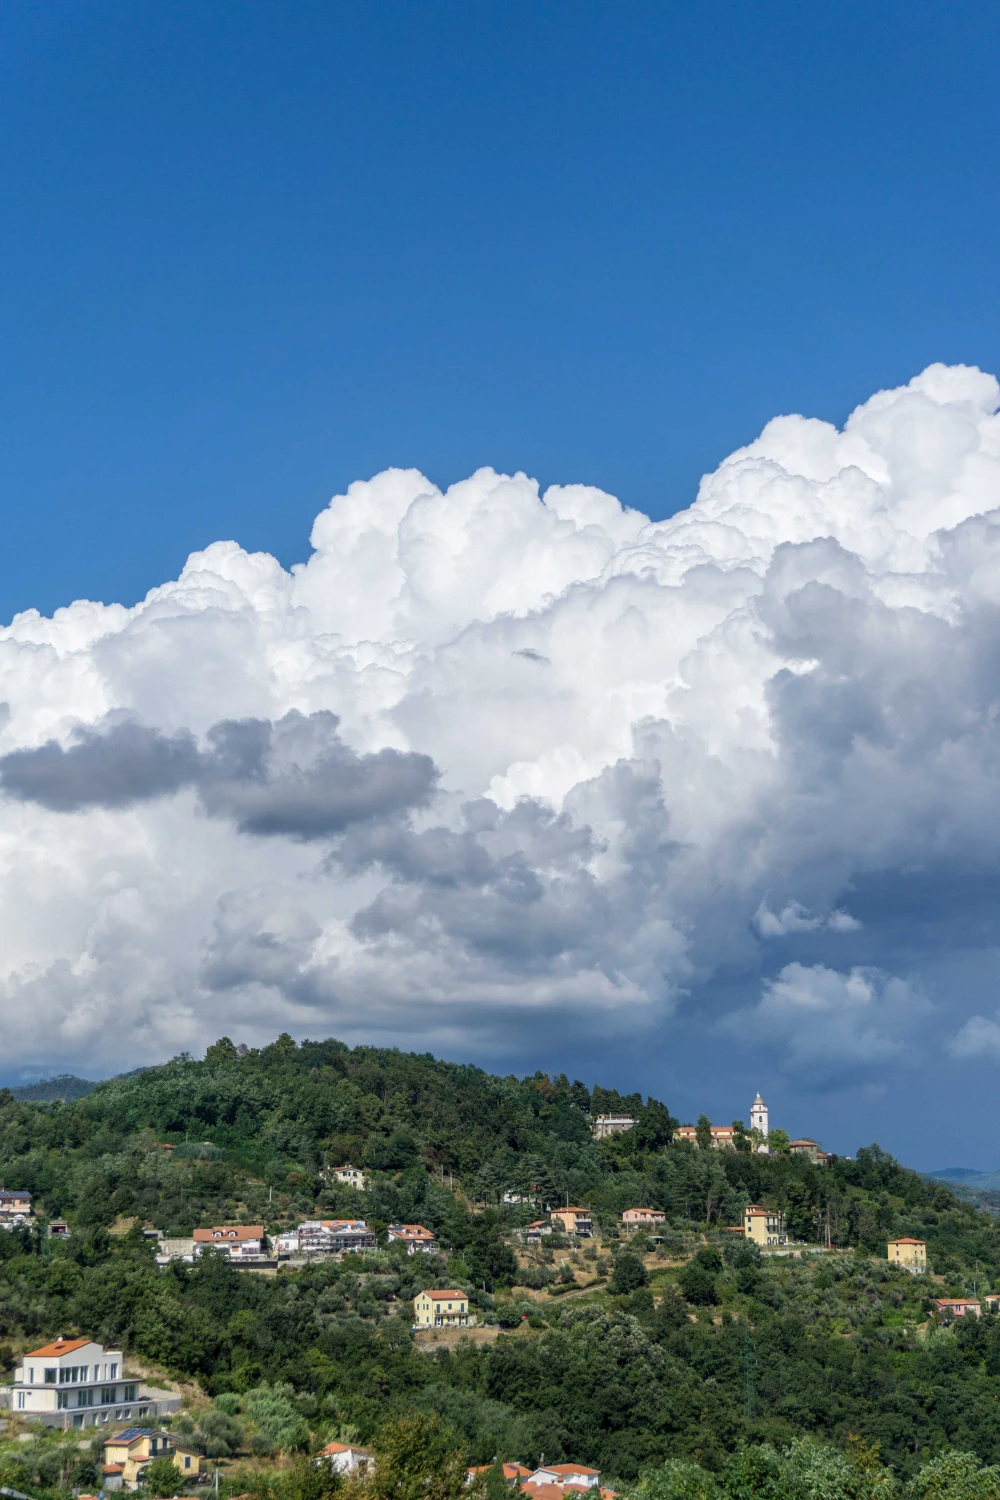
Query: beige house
(241, 1242)
(127, 1454)
(441, 1310)
(414, 1236)
(722, 1135)
(910, 1254)
(573, 1221)
(15, 1208)
(957, 1307)
(764, 1226)
(606, 1125)
(349, 1176)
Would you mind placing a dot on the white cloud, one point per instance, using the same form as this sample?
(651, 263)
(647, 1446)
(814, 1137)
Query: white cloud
(823, 1022)
(582, 762)
(794, 917)
(979, 1037)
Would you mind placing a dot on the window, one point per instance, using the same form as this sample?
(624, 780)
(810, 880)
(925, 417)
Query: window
(50, 1377)
(128, 1393)
(20, 1400)
(113, 1372)
(85, 1398)
(77, 1421)
(187, 1462)
(62, 1398)
(31, 1376)
(107, 1395)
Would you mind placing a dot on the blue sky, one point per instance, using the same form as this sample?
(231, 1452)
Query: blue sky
(254, 253)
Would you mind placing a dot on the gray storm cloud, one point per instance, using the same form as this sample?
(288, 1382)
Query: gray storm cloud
(294, 779)
(490, 754)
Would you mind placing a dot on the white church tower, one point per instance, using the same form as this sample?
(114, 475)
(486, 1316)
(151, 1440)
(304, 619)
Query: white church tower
(758, 1121)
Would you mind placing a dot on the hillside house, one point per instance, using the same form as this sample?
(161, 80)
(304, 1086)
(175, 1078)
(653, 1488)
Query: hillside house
(809, 1149)
(345, 1458)
(441, 1310)
(349, 1176)
(765, 1226)
(642, 1218)
(577, 1475)
(911, 1255)
(128, 1453)
(15, 1208)
(573, 1221)
(79, 1383)
(241, 1242)
(722, 1136)
(532, 1233)
(957, 1307)
(512, 1473)
(325, 1237)
(414, 1236)
(606, 1125)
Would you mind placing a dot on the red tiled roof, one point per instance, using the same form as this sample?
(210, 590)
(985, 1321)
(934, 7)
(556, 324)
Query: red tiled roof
(907, 1241)
(114, 1468)
(60, 1346)
(569, 1469)
(332, 1448)
(452, 1296)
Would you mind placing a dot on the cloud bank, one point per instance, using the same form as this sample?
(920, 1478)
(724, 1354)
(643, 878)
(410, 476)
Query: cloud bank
(491, 758)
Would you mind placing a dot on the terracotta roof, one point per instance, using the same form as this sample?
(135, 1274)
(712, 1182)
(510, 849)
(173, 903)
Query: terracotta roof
(114, 1468)
(60, 1346)
(452, 1296)
(332, 1448)
(907, 1241)
(805, 1141)
(569, 1469)
(956, 1301)
(223, 1232)
(547, 1491)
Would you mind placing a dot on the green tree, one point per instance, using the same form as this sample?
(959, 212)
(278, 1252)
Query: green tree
(162, 1477)
(955, 1476)
(741, 1137)
(677, 1479)
(703, 1132)
(416, 1458)
(779, 1140)
(698, 1285)
(629, 1274)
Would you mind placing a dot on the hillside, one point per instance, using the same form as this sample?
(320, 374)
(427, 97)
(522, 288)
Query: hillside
(619, 1359)
(66, 1087)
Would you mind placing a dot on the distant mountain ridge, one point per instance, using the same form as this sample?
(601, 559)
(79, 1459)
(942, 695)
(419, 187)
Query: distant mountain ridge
(967, 1177)
(66, 1087)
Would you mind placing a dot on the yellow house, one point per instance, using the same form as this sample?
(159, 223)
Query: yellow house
(912, 1254)
(440, 1310)
(127, 1454)
(764, 1226)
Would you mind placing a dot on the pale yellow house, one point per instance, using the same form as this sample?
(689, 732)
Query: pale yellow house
(911, 1254)
(440, 1310)
(764, 1226)
(127, 1455)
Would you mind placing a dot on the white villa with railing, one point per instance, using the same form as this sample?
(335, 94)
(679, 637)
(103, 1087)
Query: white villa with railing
(78, 1383)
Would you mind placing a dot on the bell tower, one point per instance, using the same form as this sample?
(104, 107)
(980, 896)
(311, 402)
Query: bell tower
(758, 1120)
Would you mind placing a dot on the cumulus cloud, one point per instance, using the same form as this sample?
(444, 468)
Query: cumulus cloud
(793, 917)
(829, 1024)
(978, 1038)
(489, 754)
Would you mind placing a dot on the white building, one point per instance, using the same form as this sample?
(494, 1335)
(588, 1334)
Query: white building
(606, 1125)
(414, 1236)
(345, 1458)
(241, 1242)
(325, 1237)
(350, 1176)
(79, 1383)
(758, 1121)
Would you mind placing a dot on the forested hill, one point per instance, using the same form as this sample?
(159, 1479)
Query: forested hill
(620, 1356)
(250, 1134)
